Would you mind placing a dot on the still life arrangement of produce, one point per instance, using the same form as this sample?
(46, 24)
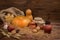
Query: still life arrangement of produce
(15, 23)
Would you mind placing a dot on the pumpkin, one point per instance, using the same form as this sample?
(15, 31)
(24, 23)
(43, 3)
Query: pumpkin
(29, 14)
(21, 21)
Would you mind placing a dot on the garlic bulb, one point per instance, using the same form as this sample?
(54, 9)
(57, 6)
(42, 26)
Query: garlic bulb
(5, 26)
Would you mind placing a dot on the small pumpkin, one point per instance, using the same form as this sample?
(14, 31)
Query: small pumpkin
(21, 21)
(29, 14)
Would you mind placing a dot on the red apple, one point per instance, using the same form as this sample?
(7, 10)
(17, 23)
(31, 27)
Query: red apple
(41, 27)
(32, 25)
(10, 28)
(47, 28)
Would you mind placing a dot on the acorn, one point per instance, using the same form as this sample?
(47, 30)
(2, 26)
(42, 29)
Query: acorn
(34, 30)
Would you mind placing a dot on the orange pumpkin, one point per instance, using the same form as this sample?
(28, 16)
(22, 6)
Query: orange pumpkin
(21, 21)
(29, 14)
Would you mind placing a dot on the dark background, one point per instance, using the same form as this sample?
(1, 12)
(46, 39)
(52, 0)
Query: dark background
(41, 8)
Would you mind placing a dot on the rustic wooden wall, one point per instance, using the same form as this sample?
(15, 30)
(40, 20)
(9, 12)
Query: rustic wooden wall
(42, 8)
